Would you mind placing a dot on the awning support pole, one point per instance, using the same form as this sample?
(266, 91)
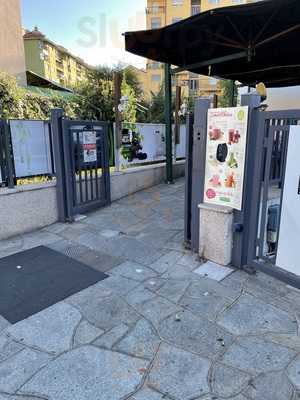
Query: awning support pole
(168, 121)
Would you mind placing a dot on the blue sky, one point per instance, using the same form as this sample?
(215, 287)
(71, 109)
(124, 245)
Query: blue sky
(91, 29)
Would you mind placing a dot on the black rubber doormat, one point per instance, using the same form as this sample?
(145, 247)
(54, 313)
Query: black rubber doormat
(35, 279)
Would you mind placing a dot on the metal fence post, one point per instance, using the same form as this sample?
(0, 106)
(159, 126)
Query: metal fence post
(188, 179)
(8, 156)
(168, 120)
(241, 219)
(198, 172)
(58, 152)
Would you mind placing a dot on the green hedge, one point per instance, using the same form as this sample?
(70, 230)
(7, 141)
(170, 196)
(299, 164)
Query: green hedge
(16, 102)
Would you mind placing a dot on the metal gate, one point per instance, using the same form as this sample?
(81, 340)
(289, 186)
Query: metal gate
(81, 151)
(265, 183)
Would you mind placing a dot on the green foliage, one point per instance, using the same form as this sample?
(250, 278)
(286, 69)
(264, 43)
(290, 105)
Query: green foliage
(11, 97)
(16, 102)
(226, 97)
(94, 98)
(130, 114)
(157, 106)
(133, 81)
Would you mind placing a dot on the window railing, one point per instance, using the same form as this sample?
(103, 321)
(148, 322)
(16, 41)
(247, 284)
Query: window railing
(155, 9)
(196, 10)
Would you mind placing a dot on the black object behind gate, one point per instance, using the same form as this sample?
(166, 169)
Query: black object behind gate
(81, 150)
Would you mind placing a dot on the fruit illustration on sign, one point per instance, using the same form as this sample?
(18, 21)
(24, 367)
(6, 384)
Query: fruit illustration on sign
(232, 163)
(230, 181)
(215, 181)
(215, 133)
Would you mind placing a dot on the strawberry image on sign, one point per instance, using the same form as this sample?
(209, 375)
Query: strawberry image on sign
(210, 194)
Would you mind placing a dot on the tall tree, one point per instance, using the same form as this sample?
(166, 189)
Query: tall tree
(227, 91)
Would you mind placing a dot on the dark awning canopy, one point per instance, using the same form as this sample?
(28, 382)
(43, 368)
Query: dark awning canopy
(258, 42)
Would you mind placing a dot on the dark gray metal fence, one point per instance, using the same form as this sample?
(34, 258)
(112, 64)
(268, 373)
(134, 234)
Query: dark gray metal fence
(263, 188)
(82, 168)
(6, 156)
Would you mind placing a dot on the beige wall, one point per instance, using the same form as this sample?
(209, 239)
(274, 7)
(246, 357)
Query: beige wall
(12, 59)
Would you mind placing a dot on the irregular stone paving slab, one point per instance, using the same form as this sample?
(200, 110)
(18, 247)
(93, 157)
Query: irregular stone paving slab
(51, 330)
(99, 261)
(152, 238)
(189, 260)
(139, 295)
(213, 271)
(157, 309)
(176, 243)
(227, 381)
(155, 284)
(293, 299)
(36, 239)
(142, 341)
(102, 308)
(179, 374)
(261, 284)
(208, 306)
(207, 298)
(214, 397)
(271, 386)
(173, 290)
(166, 261)
(110, 338)
(8, 347)
(119, 285)
(195, 334)
(86, 333)
(8, 397)
(88, 373)
(255, 355)
(269, 290)
(134, 271)
(15, 371)
(236, 281)
(3, 324)
(294, 372)
(261, 318)
(205, 286)
(131, 249)
(180, 272)
(148, 394)
(291, 341)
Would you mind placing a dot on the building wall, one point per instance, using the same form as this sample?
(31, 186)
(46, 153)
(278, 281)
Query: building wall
(12, 59)
(54, 62)
(33, 58)
(165, 12)
(211, 4)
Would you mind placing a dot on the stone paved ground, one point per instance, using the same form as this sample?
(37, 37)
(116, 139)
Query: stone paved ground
(154, 329)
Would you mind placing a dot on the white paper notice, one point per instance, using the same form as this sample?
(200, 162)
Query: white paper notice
(89, 147)
(225, 156)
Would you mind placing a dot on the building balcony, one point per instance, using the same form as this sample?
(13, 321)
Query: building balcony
(155, 10)
(59, 66)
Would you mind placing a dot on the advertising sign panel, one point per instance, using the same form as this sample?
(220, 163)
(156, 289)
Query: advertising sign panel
(31, 147)
(225, 156)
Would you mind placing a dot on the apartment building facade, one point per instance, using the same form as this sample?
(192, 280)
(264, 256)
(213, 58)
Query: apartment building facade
(52, 61)
(12, 59)
(165, 12)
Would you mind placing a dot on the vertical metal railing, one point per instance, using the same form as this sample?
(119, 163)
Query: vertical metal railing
(6, 156)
